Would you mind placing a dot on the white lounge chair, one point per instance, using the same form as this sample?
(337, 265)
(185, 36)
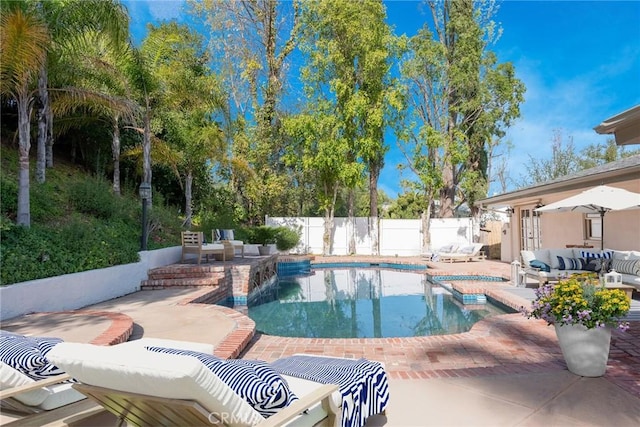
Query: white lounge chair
(143, 387)
(464, 253)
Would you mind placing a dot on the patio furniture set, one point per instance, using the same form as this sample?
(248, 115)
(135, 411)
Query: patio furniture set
(551, 265)
(193, 242)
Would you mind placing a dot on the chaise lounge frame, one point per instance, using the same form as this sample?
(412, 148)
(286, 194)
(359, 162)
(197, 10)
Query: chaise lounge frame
(144, 410)
(63, 415)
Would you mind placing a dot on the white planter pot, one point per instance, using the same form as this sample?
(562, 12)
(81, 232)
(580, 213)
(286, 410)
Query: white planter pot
(586, 351)
(264, 250)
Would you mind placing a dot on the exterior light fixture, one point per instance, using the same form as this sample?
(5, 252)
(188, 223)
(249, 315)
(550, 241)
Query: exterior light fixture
(145, 196)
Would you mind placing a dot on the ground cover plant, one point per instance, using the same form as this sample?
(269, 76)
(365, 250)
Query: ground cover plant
(78, 224)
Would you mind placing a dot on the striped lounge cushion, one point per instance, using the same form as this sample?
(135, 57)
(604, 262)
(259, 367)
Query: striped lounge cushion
(253, 380)
(28, 354)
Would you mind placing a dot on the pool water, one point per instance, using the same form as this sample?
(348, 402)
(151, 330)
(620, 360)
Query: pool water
(361, 303)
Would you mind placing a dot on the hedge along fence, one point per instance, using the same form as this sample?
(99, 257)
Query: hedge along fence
(77, 290)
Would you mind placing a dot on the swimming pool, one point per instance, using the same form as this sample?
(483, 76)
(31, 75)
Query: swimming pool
(361, 302)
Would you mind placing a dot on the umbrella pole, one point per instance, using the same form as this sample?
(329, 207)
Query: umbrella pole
(602, 230)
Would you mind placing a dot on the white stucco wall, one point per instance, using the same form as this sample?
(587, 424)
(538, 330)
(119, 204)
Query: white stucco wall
(77, 290)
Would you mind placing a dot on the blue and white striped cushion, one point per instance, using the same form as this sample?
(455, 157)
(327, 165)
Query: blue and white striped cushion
(572, 263)
(28, 354)
(254, 381)
(364, 381)
(591, 255)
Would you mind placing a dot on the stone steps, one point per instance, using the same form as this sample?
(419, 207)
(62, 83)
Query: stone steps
(173, 283)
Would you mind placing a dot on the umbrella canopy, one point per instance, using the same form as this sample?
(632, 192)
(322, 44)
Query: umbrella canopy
(600, 199)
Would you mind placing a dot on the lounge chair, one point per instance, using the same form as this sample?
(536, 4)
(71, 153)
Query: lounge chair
(33, 392)
(464, 253)
(145, 387)
(193, 243)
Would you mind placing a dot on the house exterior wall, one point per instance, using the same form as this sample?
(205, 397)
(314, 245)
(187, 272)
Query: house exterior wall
(621, 228)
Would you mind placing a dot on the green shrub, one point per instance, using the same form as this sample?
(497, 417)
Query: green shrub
(94, 197)
(286, 238)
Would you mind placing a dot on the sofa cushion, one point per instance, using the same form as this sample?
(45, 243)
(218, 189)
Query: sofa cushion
(536, 263)
(591, 254)
(555, 253)
(631, 266)
(571, 263)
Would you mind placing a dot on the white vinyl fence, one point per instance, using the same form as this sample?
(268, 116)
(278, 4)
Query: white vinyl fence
(401, 237)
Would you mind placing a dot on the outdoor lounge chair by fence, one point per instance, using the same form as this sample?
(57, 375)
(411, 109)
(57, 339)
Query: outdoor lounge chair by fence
(462, 253)
(193, 243)
(152, 386)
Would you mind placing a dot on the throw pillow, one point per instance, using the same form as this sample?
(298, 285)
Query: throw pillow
(466, 249)
(228, 234)
(541, 265)
(626, 266)
(27, 354)
(571, 263)
(446, 249)
(254, 381)
(590, 255)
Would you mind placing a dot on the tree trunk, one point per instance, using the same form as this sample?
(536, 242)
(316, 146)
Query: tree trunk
(328, 231)
(50, 139)
(351, 220)
(188, 210)
(24, 208)
(146, 146)
(115, 152)
(42, 125)
(447, 193)
(425, 220)
(374, 174)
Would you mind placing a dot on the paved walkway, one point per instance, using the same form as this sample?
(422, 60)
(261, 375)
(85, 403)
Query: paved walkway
(508, 370)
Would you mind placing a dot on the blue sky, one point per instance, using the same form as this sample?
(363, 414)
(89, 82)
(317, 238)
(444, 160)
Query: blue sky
(580, 62)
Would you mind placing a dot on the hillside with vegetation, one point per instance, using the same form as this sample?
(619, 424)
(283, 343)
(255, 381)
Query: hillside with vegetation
(78, 223)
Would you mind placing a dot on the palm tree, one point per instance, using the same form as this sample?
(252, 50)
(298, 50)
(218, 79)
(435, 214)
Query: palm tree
(23, 52)
(68, 23)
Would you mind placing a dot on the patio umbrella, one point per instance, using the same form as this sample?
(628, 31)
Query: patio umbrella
(600, 199)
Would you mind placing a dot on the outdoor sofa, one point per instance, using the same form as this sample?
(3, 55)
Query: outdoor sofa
(549, 265)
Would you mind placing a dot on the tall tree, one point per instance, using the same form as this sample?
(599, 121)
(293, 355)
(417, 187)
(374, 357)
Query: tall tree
(23, 51)
(461, 99)
(68, 22)
(254, 39)
(191, 97)
(350, 49)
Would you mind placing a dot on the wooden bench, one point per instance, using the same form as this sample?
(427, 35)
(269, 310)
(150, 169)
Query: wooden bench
(193, 243)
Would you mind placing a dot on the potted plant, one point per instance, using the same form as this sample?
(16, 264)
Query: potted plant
(583, 313)
(264, 236)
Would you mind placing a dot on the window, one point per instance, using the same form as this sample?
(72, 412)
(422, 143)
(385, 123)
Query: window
(530, 236)
(593, 227)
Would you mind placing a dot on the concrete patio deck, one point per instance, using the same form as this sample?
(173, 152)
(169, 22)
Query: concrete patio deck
(506, 371)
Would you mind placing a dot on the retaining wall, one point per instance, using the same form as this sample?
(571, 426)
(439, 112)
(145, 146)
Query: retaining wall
(77, 290)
